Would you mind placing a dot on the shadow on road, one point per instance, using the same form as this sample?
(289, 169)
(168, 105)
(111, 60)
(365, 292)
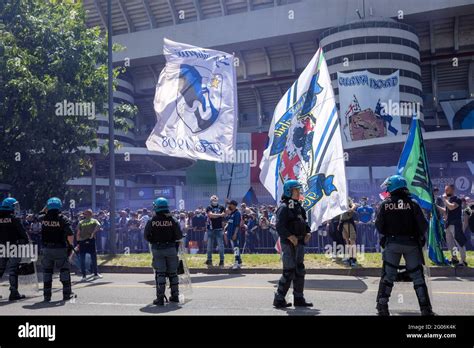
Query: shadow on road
(43, 305)
(169, 307)
(301, 311)
(4, 301)
(344, 285)
(202, 279)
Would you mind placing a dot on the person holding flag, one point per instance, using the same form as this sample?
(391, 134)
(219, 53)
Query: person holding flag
(402, 224)
(294, 232)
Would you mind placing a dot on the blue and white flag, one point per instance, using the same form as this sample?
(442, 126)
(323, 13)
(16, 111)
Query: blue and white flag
(305, 144)
(195, 104)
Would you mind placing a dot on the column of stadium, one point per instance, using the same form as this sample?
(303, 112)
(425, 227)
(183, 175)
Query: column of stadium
(305, 144)
(413, 166)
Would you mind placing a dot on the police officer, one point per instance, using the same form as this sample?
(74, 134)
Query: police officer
(294, 233)
(402, 224)
(13, 233)
(163, 232)
(57, 238)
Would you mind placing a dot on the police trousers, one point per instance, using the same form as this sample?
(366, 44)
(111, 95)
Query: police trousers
(56, 257)
(10, 264)
(391, 257)
(165, 263)
(293, 270)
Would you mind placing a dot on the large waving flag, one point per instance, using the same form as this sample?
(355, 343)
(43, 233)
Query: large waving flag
(305, 144)
(413, 166)
(195, 104)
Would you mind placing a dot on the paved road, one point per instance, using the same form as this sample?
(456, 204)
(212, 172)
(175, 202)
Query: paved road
(237, 294)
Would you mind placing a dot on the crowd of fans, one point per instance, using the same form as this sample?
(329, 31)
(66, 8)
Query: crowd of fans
(258, 233)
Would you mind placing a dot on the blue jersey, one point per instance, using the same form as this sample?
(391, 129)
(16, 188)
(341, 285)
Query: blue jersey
(233, 222)
(365, 213)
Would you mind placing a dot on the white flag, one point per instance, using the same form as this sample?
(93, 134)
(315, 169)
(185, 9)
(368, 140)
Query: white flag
(195, 104)
(305, 144)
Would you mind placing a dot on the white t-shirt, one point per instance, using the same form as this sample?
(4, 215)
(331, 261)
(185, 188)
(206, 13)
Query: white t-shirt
(143, 221)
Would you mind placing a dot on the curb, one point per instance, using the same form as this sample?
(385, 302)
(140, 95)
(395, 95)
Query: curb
(358, 272)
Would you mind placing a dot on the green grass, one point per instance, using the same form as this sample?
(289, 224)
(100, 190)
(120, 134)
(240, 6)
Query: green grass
(251, 260)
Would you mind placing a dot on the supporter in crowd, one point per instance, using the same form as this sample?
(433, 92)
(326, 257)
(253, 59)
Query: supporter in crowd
(455, 238)
(122, 229)
(215, 213)
(133, 227)
(86, 232)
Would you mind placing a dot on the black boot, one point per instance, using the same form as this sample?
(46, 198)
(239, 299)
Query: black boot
(301, 302)
(69, 296)
(160, 301)
(383, 296)
(174, 298)
(382, 310)
(47, 291)
(67, 290)
(14, 296)
(424, 300)
(277, 303)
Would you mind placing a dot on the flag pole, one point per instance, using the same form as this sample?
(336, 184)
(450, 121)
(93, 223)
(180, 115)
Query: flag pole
(230, 182)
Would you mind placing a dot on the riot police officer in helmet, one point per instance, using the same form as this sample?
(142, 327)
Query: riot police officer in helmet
(13, 233)
(402, 225)
(294, 232)
(57, 239)
(163, 232)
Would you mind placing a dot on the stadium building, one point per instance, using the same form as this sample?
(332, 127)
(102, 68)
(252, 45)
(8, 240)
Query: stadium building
(430, 44)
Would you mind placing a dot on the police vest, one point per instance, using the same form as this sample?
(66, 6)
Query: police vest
(52, 230)
(163, 228)
(296, 220)
(8, 228)
(400, 216)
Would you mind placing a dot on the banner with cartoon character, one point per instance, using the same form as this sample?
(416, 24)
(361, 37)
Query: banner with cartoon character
(364, 99)
(305, 144)
(195, 104)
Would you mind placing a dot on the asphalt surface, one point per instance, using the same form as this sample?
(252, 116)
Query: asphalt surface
(239, 294)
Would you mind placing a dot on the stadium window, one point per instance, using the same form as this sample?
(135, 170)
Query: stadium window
(397, 56)
(359, 56)
(346, 42)
(372, 39)
(372, 55)
(396, 40)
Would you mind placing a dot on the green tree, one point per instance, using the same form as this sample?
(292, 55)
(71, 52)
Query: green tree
(47, 56)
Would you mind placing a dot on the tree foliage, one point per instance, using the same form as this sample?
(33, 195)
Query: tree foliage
(47, 56)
